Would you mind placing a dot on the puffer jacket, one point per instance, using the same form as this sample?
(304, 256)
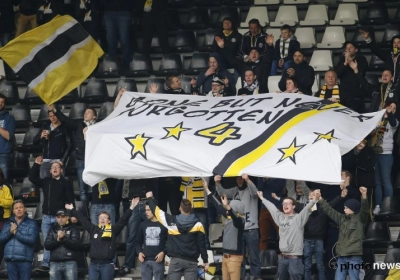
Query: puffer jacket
(19, 247)
(65, 249)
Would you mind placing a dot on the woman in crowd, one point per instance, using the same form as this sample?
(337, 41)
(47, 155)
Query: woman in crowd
(291, 86)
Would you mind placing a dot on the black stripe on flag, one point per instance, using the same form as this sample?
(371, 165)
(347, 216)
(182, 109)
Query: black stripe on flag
(248, 147)
(52, 52)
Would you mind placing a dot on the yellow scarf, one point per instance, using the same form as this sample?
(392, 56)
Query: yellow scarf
(227, 32)
(147, 5)
(103, 189)
(335, 92)
(107, 232)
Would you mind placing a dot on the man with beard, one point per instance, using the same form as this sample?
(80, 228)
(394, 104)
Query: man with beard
(7, 128)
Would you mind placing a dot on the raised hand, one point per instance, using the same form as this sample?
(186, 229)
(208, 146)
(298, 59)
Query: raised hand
(220, 42)
(134, 202)
(260, 194)
(69, 206)
(245, 177)
(365, 34)
(217, 179)
(153, 88)
(363, 191)
(269, 39)
(39, 160)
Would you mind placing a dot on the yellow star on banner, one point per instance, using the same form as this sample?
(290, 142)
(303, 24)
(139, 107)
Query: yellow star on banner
(327, 136)
(138, 144)
(290, 152)
(175, 131)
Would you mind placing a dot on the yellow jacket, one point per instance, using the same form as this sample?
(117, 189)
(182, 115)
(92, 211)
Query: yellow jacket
(6, 201)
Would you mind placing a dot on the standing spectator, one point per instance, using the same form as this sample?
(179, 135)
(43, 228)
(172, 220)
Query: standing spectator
(284, 50)
(389, 57)
(186, 240)
(117, 20)
(88, 15)
(135, 189)
(19, 235)
(233, 233)
(27, 15)
(103, 238)
(103, 195)
(63, 242)
(382, 143)
(227, 42)
(7, 20)
(150, 245)
(254, 38)
(268, 186)
(57, 191)
(351, 233)
(352, 95)
(7, 128)
(155, 19)
(301, 71)
(291, 231)
(169, 194)
(6, 201)
(331, 89)
(56, 143)
(79, 129)
(246, 192)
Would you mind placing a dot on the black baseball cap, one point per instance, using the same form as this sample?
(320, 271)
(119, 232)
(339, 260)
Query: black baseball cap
(62, 212)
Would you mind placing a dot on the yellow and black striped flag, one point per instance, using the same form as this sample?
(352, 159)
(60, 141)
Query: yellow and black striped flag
(53, 59)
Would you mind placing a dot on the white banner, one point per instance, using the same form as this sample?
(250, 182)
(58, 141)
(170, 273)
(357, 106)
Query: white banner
(275, 135)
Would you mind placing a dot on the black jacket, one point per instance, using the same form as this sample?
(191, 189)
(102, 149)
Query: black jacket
(7, 18)
(304, 75)
(56, 192)
(65, 249)
(246, 44)
(294, 45)
(77, 128)
(231, 46)
(102, 250)
(186, 235)
(59, 144)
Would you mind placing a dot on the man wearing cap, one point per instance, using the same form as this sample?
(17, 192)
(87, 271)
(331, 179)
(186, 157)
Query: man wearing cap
(352, 95)
(63, 241)
(349, 247)
(219, 88)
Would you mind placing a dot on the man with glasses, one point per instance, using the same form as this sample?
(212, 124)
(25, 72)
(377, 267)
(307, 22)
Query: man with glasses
(57, 191)
(63, 241)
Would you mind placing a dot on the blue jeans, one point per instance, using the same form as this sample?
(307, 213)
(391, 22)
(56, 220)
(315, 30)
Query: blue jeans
(118, 24)
(383, 182)
(314, 247)
(250, 243)
(47, 222)
(346, 265)
(290, 269)
(63, 270)
(138, 216)
(19, 270)
(202, 215)
(151, 268)
(103, 271)
(4, 163)
(5, 38)
(83, 188)
(95, 210)
(274, 66)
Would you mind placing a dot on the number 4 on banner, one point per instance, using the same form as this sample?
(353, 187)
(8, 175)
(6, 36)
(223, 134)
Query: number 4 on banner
(220, 133)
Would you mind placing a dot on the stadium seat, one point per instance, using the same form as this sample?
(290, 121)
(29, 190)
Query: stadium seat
(171, 64)
(396, 17)
(128, 84)
(377, 235)
(95, 92)
(27, 144)
(38, 213)
(390, 31)
(316, 15)
(37, 263)
(266, 2)
(70, 98)
(24, 192)
(85, 241)
(346, 14)
(71, 167)
(321, 60)
(236, 2)
(141, 66)
(376, 64)
(3, 269)
(377, 14)
(373, 79)
(215, 231)
(334, 38)
(306, 37)
(19, 165)
(315, 87)
(273, 82)
(82, 264)
(269, 262)
(160, 82)
(259, 13)
(206, 3)
(208, 40)
(31, 98)
(81, 208)
(198, 63)
(286, 15)
(224, 12)
(396, 243)
(122, 239)
(77, 111)
(184, 41)
(290, 2)
(105, 110)
(274, 31)
(43, 116)
(109, 67)
(10, 91)
(22, 115)
(185, 84)
(392, 257)
(390, 210)
(354, 1)
(197, 19)
(243, 30)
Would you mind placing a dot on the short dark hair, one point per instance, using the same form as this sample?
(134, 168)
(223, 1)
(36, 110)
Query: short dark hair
(186, 206)
(347, 173)
(286, 27)
(105, 213)
(293, 79)
(300, 51)
(255, 21)
(93, 110)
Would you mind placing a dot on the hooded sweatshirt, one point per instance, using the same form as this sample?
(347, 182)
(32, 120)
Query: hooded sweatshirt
(8, 123)
(186, 235)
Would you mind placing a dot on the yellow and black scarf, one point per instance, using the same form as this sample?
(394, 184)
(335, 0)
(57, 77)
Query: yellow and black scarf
(335, 92)
(147, 5)
(107, 232)
(377, 139)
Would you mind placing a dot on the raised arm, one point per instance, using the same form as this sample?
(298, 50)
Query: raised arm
(253, 189)
(71, 124)
(230, 193)
(34, 175)
(329, 211)
(275, 213)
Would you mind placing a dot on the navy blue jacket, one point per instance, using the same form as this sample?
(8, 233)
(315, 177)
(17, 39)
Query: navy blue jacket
(19, 247)
(8, 123)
